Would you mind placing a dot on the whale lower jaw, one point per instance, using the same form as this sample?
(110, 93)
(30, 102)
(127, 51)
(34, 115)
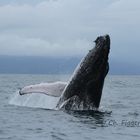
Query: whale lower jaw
(75, 103)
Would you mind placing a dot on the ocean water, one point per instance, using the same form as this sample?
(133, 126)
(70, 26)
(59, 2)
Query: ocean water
(118, 116)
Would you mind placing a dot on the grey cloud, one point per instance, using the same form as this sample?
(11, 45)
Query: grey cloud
(20, 2)
(56, 27)
(38, 47)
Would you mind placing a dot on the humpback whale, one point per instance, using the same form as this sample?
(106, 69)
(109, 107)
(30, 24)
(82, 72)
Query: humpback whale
(84, 89)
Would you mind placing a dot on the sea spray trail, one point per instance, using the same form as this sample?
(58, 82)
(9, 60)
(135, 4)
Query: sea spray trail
(36, 100)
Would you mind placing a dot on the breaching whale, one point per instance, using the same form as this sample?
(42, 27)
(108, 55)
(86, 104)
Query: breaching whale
(84, 89)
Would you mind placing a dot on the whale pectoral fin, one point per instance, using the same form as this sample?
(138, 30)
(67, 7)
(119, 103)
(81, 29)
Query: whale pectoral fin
(54, 89)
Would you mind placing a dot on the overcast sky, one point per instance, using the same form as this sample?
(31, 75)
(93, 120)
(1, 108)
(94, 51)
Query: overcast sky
(68, 27)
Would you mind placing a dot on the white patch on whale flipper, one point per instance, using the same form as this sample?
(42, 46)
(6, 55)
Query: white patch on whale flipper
(52, 89)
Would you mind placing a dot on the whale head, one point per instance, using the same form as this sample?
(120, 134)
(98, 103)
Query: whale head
(85, 86)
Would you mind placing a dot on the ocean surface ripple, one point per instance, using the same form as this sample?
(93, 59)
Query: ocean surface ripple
(117, 118)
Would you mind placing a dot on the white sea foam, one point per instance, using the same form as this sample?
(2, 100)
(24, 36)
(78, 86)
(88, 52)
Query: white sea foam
(34, 100)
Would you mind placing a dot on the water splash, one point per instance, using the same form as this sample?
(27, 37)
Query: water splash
(34, 100)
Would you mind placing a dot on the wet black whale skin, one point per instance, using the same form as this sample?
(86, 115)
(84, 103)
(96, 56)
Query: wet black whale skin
(87, 82)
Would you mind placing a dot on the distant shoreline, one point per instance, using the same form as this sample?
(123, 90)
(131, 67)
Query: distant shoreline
(57, 65)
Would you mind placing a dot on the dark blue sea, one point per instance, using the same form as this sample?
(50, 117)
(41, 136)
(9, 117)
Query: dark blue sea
(117, 118)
